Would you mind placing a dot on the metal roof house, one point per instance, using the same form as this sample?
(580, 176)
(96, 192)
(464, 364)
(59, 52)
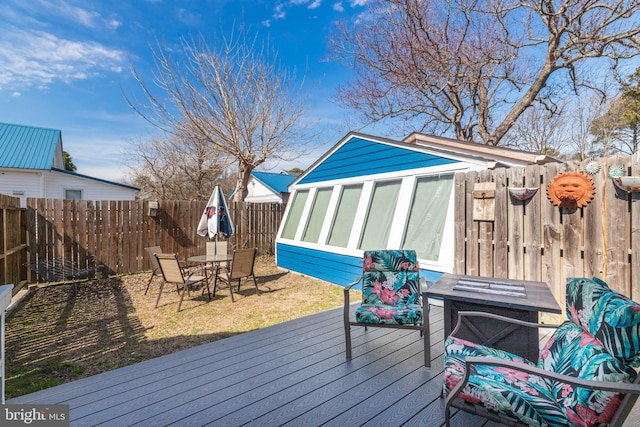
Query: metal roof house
(269, 187)
(368, 192)
(32, 165)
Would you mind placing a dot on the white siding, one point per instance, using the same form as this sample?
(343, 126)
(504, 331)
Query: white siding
(260, 193)
(52, 185)
(56, 183)
(21, 184)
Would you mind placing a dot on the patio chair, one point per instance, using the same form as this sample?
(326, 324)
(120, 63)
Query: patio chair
(392, 291)
(153, 263)
(172, 272)
(219, 248)
(241, 267)
(584, 375)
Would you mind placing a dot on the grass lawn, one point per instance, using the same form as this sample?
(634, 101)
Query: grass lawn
(56, 336)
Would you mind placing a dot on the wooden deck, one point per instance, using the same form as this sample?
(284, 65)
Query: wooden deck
(292, 374)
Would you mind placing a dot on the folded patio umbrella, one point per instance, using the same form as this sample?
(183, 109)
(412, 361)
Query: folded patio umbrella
(215, 219)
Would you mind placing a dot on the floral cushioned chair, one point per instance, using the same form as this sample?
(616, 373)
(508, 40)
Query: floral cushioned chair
(581, 378)
(391, 294)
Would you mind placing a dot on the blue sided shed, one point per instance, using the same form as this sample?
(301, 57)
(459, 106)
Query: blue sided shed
(376, 193)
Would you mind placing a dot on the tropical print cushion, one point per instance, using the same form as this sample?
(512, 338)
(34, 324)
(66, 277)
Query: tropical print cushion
(572, 351)
(583, 298)
(512, 393)
(381, 313)
(390, 277)
(610, 317)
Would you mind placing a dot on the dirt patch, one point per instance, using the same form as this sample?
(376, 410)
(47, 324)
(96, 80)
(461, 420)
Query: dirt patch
(58, 335)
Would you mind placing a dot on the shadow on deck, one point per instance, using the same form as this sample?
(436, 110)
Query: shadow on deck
(294, 373)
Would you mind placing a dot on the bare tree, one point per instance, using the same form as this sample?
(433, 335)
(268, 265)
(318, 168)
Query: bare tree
(610, 129)
(621, 122)
(582, 144)
(538, 130)
(473, 67)
(234, 98)
(168, 169)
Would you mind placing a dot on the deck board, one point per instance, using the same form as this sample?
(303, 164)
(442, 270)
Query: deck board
(293, 374)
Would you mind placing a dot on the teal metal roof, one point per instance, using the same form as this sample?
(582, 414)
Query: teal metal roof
(278, 182)
(27, 147)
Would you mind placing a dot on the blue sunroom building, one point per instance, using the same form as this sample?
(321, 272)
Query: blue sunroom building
(369, 192)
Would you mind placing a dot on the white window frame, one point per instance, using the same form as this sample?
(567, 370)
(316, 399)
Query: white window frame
(64, 191)
(402, 209)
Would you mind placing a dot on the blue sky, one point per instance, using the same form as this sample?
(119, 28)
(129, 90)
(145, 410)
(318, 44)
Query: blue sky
(66, 64)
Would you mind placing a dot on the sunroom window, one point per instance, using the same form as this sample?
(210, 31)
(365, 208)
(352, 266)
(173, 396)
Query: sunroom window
(427, 216)
(295, 213)
(316, 218)
(380, 215)
(345, 214)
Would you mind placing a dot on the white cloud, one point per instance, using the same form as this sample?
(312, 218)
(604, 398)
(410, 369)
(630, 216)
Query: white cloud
(315, 4)
(279, 13)
(355, 3)
(37, 58)
(338, 7)
(16, 94)
(266, 23)
(70, 12)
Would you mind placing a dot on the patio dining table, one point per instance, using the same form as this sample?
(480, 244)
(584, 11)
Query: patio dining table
(216, 260)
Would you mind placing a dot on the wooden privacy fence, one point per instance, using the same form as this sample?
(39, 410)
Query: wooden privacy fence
(13, 253)
(113, 234)
(500, 237)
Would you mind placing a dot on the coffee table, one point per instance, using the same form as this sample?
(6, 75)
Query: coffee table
(516, 299)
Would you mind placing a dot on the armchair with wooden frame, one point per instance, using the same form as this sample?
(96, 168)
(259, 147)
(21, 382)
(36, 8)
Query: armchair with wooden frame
(585, 375)
(392, 296)
(185, 280)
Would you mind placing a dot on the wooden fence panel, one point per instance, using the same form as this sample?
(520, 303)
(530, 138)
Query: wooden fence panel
(460, 223)
(472, 231)
(634, 258)
(617, 232)
(114, 233)
(13, 243)
(594, 214)
(515, 234)
(485, 234)
(545, 242)
(532, 227)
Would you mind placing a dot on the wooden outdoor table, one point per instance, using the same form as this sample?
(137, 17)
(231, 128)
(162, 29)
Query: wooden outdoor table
(516, 299)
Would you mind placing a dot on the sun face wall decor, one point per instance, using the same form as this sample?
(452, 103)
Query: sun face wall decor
(571, 190)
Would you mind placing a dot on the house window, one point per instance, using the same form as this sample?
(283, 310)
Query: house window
(427, 216)
(380, 215)
(316, 218)
(345, 214)
(73, 194)
(295, 213)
